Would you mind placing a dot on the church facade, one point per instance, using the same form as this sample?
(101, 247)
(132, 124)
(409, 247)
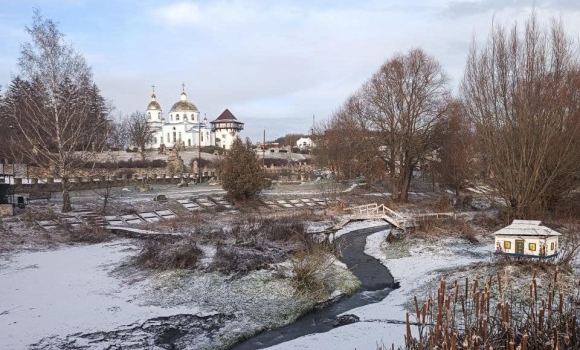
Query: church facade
(183, 126)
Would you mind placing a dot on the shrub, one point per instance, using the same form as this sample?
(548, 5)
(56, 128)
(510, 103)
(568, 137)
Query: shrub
(241, 260)
(241, 175)
(310, 266)
(169, 254)
(88, 234)
(256, 229)
(213, 149)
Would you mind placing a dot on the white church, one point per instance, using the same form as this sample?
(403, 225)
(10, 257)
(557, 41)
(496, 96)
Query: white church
(184, 125)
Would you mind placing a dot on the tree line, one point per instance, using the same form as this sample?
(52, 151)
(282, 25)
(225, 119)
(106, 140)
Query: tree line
(514, 126)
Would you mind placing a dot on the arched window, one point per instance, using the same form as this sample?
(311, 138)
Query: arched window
(179, 136)
(192, 117)
(189, 142)
(185, 117)
(168, 139)
(149, 115)
(177, 117)
(201, 137)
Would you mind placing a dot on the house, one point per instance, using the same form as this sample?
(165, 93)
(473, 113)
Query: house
(304, 142)
(527, 238)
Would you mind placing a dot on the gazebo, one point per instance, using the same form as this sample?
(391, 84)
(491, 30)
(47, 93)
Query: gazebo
(527, 238)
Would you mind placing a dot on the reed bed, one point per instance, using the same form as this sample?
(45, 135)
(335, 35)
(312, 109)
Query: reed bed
(485, 313)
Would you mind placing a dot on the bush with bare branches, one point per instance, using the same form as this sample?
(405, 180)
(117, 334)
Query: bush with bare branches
(170, 253)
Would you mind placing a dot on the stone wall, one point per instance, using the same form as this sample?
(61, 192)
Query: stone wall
(95, 182)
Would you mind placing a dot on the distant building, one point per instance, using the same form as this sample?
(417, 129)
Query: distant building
(304, 142)
(183, 125)
(527, 238)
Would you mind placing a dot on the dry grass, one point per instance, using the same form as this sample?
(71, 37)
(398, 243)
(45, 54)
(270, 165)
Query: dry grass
(241, 260)
(88, 234)
(311, 266)
(432, 229)
(170, 253)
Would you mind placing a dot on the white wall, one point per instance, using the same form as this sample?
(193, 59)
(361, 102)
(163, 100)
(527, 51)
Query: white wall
(527, 240)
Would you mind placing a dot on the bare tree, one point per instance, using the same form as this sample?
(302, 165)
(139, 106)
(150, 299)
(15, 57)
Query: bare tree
(521, 92)
(59, 117)
(399, 107)
(140, 132)
(454, 155)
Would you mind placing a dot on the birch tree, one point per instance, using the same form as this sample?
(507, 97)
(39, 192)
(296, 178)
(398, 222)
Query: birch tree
(59, 120)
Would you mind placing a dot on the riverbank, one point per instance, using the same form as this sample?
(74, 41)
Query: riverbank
(415, 266)
(92, 296)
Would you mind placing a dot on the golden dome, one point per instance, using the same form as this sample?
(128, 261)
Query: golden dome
(154, 105)
(183, 105)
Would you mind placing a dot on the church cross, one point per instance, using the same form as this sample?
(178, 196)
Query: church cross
(183, 86)
(153, 86)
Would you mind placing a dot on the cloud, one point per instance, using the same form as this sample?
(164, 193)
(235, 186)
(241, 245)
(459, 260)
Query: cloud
(177, 14)
(474, 7)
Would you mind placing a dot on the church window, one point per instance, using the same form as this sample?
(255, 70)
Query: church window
(180, 136)
(168, 138)
(149, 115)
(201, 137)
(189, 142)
(185, 117)
(155, 139)
(161, 139)
(177, 117)
(174, 134)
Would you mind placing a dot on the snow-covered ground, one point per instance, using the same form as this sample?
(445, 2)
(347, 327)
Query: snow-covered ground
(66, 291)
(417, 270)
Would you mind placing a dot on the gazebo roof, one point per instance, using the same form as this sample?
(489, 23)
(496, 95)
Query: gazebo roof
(526, 228)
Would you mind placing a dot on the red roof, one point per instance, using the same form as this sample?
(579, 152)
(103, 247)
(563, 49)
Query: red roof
(225, 116)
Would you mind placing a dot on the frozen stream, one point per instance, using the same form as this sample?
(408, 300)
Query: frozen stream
(377, 283)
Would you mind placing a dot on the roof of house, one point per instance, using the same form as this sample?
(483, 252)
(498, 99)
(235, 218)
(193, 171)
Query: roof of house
(526, 228)
(226, 116)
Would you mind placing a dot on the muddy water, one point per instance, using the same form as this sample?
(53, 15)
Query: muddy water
(377, 283)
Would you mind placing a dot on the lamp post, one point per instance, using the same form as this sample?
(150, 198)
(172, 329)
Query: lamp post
(199, 149)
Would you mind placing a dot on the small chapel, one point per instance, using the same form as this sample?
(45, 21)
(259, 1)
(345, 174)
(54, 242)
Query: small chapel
(184, 128)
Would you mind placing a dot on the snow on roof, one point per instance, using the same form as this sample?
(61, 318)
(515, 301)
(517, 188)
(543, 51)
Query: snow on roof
(526, 228)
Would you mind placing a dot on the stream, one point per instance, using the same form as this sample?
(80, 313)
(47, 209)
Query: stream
(377, 283)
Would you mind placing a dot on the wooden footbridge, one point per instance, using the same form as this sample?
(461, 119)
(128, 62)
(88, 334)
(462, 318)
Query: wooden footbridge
(376, 211)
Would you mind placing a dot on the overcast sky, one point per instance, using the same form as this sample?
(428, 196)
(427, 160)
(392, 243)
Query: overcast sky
(274, 64)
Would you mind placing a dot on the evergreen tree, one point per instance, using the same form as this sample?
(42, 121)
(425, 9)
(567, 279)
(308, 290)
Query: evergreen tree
(241, 174)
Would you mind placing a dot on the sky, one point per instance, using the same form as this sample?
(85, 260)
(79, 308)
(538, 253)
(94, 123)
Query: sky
(273, 64)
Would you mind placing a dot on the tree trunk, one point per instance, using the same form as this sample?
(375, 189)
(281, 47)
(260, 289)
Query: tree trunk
(66, 206)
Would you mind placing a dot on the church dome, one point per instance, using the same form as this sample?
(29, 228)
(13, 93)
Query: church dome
(153, 105)
(183, 105)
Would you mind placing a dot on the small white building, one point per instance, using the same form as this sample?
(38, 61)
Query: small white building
(527, 238)
(304, 142)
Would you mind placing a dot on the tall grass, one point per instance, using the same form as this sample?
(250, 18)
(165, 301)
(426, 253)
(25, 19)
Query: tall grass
(482, 314)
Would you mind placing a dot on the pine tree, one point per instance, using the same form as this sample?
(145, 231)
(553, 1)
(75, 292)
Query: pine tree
(241, 176)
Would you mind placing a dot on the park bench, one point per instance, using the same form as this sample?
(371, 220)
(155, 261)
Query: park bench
(39, 195)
